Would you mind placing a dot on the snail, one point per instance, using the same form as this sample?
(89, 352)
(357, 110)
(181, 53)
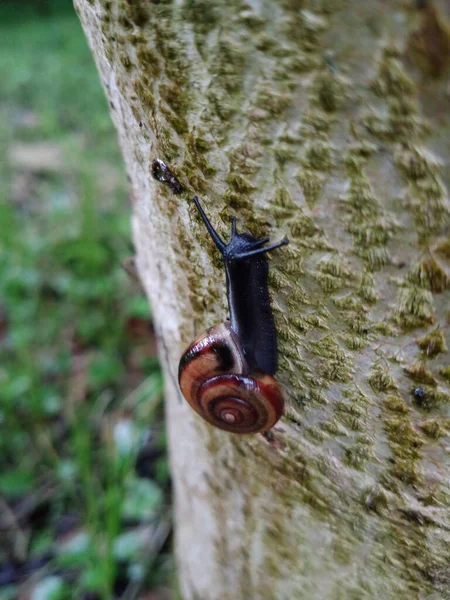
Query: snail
(226, 374)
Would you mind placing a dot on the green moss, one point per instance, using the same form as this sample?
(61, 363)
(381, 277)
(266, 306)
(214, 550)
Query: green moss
(203, 14)
(333, 428)
(145, 96)
(366, 290)
(414, 163)
(428, 190)
(273, 102)
(359, 454)
(125, 22)
(126, 62)
(392, 79)
(377, 126)
(197, 160)
(443, 249)
(240, 183)
(137, 38)
(380, 378)
(376, 258)
(286, 334)
(240, 204)
(432, 343)
(284, 153)
(353, 342)
(239, 159)
(336, 267)
(404, 440)
(405, 470)
(169, 46)
(265, 43)
(229, 65)
(433, 429)
(347, 302)
(303, 227)
(445, 373)
(196, 181)
(429, 274)
(414, 308)
(149, 61)
(328, 283)
(334, 363)
(251, 19)
(299, 62)
(376, 232)
(358, 322)
(178, 123)
(305, 28)
(311, 184)
(395, 403)
(136, 12)
(316, 123)
(278, 281)
(175, 97)
(292, 267)
(333, 369)
(169, 149)
(383, 328)
(420, 374)
(317, 320)
(318, 155)
(315, 435)
(329, 90)
(404, 436)
(429, 206)
(359, 151)
(352, 414)
(291, 351)
(367, 224)
(375, 499)
(219, 104)
(208, 295)
(296, 301)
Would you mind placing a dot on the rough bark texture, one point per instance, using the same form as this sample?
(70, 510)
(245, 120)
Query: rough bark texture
(327, 120)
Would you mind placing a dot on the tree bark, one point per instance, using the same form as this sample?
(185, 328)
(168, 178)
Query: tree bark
(327, 121)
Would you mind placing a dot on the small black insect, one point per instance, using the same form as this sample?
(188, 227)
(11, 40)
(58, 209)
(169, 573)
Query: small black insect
(162, 173)
(420, 395)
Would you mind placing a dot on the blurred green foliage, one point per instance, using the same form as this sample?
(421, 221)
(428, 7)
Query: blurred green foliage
(82, 438)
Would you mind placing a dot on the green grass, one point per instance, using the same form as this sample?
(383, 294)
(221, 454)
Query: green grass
(82, 440)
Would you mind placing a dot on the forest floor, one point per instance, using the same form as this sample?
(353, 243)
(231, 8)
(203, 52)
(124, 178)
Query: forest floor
(84, 483)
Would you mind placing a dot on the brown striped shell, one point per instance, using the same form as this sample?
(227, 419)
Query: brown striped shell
(214, 379)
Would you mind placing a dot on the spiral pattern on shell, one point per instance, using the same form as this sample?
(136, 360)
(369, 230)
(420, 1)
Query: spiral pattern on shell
(214, 379)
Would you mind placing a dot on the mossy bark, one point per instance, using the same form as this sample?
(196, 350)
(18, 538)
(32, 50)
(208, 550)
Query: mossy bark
(328, 121)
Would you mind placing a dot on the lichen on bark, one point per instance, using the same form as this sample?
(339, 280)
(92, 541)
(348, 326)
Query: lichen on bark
(326, 121)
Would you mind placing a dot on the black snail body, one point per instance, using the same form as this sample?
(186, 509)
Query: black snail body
(226, 373)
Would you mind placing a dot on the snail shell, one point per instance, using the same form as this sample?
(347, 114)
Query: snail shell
(215, 380)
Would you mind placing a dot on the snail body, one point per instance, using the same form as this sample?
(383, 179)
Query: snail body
(226, 374)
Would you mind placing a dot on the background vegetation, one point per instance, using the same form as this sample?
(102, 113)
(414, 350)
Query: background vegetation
(84, 487)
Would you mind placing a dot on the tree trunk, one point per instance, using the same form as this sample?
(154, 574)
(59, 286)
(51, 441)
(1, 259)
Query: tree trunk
(327, 121)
